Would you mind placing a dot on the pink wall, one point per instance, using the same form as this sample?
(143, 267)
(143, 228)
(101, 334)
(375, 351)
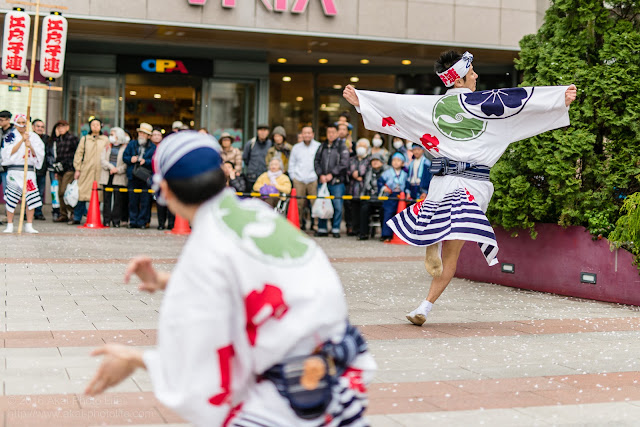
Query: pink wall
(553, 263)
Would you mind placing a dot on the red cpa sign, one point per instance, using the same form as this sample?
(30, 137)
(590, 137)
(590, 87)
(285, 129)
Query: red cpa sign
(15, 43)
(54, 44)
(299, 6)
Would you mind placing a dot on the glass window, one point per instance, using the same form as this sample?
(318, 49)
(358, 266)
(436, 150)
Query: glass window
(331, 103)
(291, 102)
(92, 96)
(232, 108)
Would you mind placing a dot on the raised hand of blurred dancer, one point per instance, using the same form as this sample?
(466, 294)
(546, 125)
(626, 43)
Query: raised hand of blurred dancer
(349, 94)
(570, 95)
(118, 364)
(150, 279)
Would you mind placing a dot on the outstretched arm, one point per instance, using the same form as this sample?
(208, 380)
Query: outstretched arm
(350, 95)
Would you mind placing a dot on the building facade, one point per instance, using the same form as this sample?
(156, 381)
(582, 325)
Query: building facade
(228, 65)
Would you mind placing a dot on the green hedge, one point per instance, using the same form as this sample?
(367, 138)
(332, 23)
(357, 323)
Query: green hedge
(583, 174)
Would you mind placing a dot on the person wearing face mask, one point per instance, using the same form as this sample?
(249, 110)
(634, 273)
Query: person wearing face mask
(138, 156)
(87, 165)
(398, 147)
(377, 148)
(114, 175)
(16, 144)
(281, 148)
(358, 167)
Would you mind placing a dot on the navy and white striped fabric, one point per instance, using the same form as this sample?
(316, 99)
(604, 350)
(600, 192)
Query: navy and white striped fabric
(455, 217)
(346, 409)
(13, 192)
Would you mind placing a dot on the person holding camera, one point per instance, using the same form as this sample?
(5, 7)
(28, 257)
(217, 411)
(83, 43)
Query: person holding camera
(64, 145)
(138, 156)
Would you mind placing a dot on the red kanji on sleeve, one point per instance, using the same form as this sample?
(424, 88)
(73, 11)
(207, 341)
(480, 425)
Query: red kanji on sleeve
(388, 121)
(261, 306)
(471, 198)
(225, 355)
(430, 142)
(355, 380)
(417, 206)
(31, 186)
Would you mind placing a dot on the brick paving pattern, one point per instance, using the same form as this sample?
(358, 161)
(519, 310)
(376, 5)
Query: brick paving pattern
(488, 355)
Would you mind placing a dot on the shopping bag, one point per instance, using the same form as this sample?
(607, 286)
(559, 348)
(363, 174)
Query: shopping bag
(71, 194)
(322, 208)
(55, 203)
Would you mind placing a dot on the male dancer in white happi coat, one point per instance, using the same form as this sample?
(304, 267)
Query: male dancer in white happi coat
(16, 143)
(253, 328)
(466, 132)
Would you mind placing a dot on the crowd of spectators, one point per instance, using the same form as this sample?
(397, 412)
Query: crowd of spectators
(267, 165)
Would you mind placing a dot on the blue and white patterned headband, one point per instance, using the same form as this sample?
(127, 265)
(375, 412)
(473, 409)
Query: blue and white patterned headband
(184, 155)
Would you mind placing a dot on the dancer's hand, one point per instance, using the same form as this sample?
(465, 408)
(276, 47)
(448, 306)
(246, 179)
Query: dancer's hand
(349, 94)
(570, 95)
(150, 279)
(119, 363)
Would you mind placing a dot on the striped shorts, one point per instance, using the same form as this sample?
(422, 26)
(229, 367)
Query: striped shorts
(13, 192)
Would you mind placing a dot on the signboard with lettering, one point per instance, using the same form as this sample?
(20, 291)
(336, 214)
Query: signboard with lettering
(299, 6)
(15, 43)
(169, 66)
(53, 46)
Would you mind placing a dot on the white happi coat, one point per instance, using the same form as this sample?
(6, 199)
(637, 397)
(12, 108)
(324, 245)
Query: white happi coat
(248, 292)
(15, 177)
(463, 126)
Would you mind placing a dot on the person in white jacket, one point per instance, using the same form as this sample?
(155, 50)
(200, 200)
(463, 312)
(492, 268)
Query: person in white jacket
(245, 336)
(16, 144)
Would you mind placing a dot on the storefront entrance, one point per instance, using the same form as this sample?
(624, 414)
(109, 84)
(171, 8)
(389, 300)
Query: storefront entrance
(161, 100)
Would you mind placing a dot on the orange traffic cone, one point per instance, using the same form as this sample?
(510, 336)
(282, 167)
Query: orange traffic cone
(93, 217)
(402, 205)
(180, 226)
(292, 213)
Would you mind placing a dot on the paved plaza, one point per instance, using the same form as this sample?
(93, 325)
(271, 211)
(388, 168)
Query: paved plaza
(488, 355)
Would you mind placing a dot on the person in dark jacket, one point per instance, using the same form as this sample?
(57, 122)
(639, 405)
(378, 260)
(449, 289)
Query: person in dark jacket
(370, 188)
(139, 153)
(255, 154)
(64, 144)
(332, 165)
(41, 174)
(358, 166)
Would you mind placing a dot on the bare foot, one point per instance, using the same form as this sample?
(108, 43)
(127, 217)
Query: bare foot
(433, 261)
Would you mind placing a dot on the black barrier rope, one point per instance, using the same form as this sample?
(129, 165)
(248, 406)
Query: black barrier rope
(281, 195)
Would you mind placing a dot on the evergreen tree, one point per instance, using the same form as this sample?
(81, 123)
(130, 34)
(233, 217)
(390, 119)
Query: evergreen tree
(579, 175)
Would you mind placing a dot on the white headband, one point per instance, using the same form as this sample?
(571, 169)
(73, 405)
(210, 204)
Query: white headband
(457, 71)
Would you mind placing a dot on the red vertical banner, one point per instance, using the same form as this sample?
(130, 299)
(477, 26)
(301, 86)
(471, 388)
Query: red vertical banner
(53, 46)
(15, 43)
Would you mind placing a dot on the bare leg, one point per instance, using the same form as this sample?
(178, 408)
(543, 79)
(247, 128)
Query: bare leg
(450, 253)
(9, 217)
